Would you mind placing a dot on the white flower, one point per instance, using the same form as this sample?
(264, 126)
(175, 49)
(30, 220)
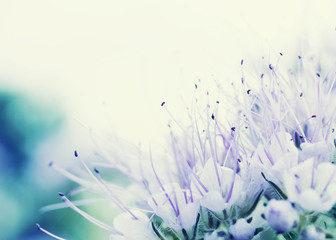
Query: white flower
(312, 187)
(281, 215)
(242, 230)
(132, 228)
(215, 235)
(321, 150)
(176, 207)
(281, 136)
(223, 186)
(277, 156)
(313, 233)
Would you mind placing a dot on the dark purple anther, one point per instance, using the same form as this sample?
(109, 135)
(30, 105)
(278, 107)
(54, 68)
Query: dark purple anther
(270, 66)
(195, 86)
(248, 91)
(51, 163)
(314, 116)
(262, 75)
(38, 226)
(61, 194)
(301, 94)
(317, 74)
(233, 128)
(96, 170)
(163, 103)
(280, 54)
(76, 154)
(217, 101)
(299, 57)
(241, 62)
(213, 117)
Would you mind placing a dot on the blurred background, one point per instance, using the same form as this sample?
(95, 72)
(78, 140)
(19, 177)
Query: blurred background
(68, 67)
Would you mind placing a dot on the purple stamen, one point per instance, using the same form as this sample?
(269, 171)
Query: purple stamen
(232, 184)
(114, 198)
(199, 182)
(89, 217)
(100, 182)
(260, 160)
(47, 232)
(191, 195)
(162, 187)
(328, 183)
(269, 157)
(312, 179)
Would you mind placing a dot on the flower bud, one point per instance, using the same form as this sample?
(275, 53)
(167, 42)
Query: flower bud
(215, 235)
(281, 215)
(242, 230)
(313, 233)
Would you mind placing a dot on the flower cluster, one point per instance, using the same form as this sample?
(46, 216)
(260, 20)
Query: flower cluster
(256, 165)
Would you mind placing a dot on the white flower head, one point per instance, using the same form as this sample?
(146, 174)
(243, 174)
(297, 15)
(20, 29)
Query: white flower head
(312, 187)
(178, 208)
(281, 215)
(222, 186)
(313, 233)
(131, 228)
(215, 235)
(219, 168)
(275, 157)
(242, 230)
(322, 151)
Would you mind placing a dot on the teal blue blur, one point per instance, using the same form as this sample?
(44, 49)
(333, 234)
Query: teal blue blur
(28, 122)
(25, 122)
